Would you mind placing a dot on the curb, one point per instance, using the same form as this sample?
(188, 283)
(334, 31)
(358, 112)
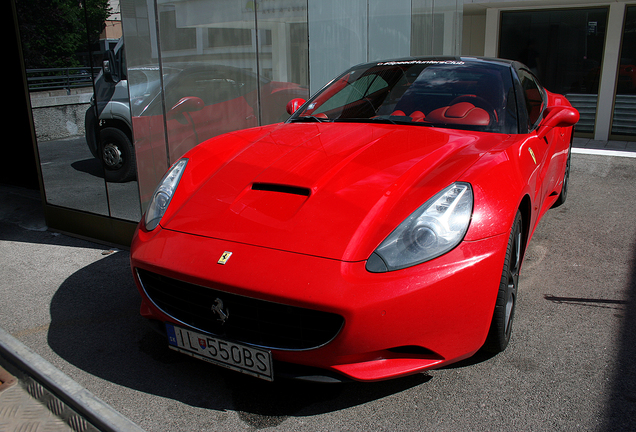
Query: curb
(84, 403)
(603, 152)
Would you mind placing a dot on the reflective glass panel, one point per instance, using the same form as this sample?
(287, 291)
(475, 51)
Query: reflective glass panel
(283, 56)
(144, 87)
(60, 89)
(436, 27)
(338, 35)
(209, 62)
(110, 128)
(389, 29)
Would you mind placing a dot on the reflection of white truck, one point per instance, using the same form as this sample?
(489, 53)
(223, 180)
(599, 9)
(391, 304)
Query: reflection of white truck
(111, 105)
(202, 100)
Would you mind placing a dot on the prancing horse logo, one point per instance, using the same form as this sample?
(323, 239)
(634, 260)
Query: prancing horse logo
(217, 308)
(226, 256)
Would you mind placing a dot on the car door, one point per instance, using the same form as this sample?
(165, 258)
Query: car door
(544, 152)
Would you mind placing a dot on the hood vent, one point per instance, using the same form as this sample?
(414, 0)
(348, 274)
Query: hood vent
(272, 187)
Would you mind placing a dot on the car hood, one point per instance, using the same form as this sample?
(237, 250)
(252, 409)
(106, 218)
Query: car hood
(333, 190)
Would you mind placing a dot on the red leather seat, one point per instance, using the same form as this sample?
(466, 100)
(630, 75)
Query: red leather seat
(463, 113)
(417, 116)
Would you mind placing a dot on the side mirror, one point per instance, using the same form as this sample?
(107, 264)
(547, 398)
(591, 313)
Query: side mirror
(557, 116)
(294, 104)
(110, 69)
(185, 105)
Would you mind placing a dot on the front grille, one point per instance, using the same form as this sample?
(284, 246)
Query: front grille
(252, 321)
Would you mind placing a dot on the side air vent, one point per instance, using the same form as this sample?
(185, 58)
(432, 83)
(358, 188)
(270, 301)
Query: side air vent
(272, 187)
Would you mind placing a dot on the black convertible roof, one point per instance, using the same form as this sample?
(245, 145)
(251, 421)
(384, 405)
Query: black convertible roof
(447, 60)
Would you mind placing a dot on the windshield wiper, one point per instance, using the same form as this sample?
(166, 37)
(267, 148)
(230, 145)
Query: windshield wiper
(395, 120)
(387, 119)
(310, 118)
(383, 119)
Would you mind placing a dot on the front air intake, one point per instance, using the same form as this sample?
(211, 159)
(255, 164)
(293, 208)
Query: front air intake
(252, 321)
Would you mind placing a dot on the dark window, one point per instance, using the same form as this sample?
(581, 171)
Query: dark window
(563, 48)
(534, 98)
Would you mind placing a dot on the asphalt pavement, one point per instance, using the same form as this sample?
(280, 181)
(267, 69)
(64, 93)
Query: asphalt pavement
(76, 354)
(34, 394)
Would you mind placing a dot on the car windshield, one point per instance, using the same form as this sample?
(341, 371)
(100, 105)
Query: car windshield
(469, 95)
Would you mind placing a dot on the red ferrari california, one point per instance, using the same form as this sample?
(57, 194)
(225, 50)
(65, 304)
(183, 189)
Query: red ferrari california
(377, 233)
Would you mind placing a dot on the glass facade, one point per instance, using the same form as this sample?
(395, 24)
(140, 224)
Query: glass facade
(625, 103)
(199, 68)
(72, 175)
(564, 48)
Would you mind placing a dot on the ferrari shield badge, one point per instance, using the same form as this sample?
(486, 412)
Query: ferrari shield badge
(226, 256)
(531, 154)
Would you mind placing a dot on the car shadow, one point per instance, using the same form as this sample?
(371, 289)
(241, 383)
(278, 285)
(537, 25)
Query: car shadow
(93, 167)
(479, 357)
(96, 326)
(89, 166)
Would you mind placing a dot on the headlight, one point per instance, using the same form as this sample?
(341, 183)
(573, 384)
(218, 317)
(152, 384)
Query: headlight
(163, 194)
(432, 230)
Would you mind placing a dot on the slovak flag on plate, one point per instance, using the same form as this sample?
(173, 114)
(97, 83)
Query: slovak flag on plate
(202, 343)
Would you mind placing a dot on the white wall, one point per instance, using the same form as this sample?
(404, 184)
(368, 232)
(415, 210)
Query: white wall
(474, 34)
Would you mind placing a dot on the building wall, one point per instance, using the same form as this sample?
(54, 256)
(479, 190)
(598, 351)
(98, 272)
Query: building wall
(474, 34)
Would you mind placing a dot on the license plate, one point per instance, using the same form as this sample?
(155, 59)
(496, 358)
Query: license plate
(242, 358)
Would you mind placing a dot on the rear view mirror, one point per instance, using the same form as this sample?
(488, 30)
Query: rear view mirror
(109, 68)
(114, 64)
(558, 116)
(294, 104)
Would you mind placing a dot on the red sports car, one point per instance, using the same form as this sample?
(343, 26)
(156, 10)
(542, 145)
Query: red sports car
(378, 232)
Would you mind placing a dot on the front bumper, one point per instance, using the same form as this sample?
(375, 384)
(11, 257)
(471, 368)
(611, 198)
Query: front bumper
(395, 323)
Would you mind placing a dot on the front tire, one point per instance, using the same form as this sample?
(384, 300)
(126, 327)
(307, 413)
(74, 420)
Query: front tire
(501, 325)
(117, 155)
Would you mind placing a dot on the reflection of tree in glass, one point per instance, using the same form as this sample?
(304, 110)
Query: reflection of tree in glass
(53, 32)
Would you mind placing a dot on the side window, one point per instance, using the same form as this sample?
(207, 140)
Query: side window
(533, 98)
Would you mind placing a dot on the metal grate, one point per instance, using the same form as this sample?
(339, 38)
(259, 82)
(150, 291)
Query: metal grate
(252, 321)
